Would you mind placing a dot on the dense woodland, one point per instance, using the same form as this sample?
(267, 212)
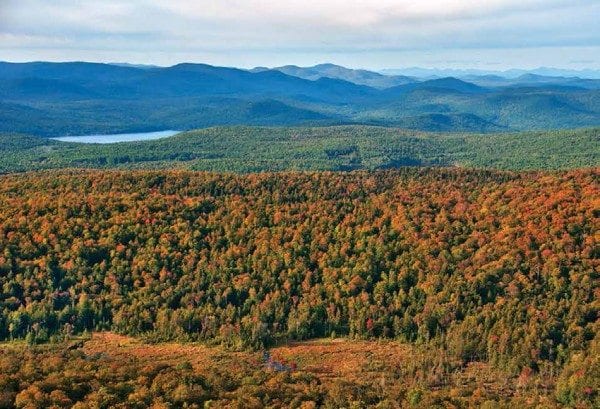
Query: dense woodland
(261, 149)
(489, 266)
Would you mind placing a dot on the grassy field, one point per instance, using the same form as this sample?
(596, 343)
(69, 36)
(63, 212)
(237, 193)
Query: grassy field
(333, 373)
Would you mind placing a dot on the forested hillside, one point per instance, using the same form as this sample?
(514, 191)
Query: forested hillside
(258, 149)
(495, 267)
(58, 99)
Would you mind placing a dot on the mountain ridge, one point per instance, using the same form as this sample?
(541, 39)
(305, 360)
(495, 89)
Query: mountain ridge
(328, 70)
(57, 99)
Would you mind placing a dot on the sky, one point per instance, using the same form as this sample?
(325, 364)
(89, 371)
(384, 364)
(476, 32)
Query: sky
(373, 34)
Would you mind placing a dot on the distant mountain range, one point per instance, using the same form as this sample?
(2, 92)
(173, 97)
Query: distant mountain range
(509, 74)
(361, 77)
(390, 78)
(53, 99)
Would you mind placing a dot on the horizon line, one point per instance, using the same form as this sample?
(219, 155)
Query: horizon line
(411, 67)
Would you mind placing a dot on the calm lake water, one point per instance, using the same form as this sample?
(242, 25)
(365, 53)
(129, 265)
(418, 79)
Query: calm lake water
(122, 137)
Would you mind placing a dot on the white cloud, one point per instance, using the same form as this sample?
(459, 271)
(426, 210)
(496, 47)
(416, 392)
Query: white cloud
(292, 28)
(357, 13)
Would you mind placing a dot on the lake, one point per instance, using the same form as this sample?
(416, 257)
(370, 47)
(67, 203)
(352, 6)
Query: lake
(122, 137)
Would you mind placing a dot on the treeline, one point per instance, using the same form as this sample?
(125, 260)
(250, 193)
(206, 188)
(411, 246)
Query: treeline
(491, 266)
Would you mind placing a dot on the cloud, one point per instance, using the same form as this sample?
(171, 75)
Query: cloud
(357, 13)
(294, 27)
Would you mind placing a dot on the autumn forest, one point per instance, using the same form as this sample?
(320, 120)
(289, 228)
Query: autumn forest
(460, 269)
(301, 204)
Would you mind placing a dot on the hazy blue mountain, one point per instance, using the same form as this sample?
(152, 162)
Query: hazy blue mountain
(74, 71)
(110, 81)
(55, 99)
(558, 72)
(500, 79)
(429, 73)
(142, 66)
(361, 77)
(533, 80)
(43, 88)
(441, 85)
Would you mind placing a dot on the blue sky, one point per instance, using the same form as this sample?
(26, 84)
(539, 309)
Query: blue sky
(375, 34)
